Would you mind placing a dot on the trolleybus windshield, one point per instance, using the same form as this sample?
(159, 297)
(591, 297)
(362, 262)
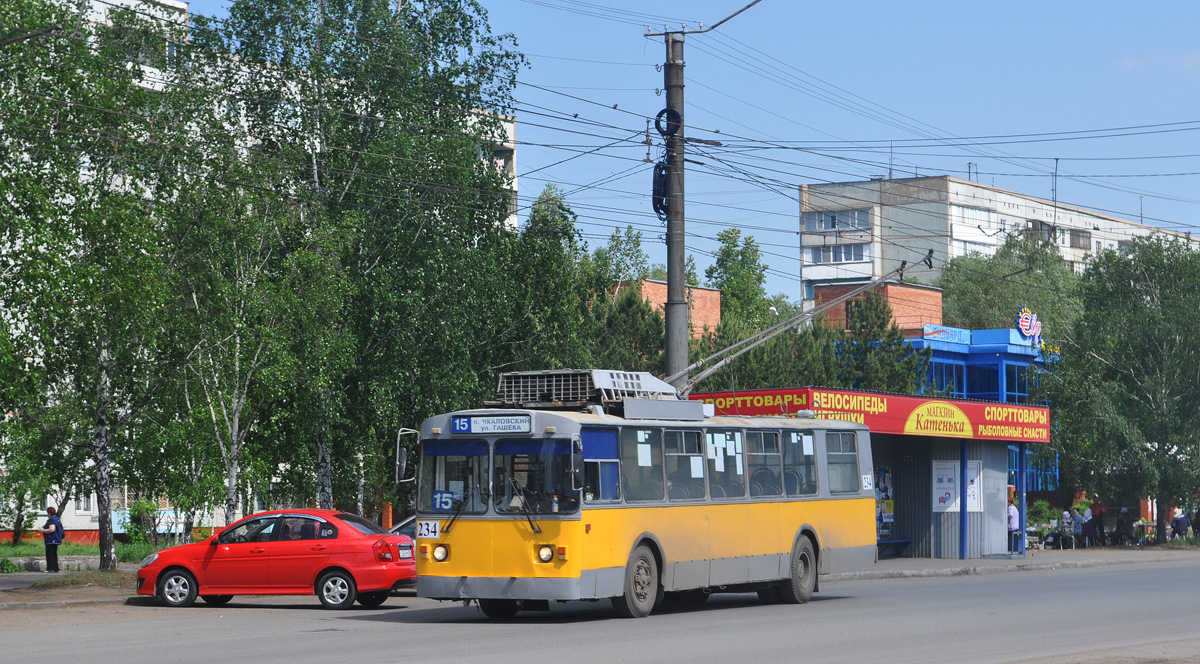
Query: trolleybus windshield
(534, 476)
(453, 476)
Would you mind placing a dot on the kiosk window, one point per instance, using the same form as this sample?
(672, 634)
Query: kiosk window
(842, 454)
(642, 464)
(799, 464)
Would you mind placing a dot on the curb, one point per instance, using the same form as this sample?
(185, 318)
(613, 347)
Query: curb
(969, 571)
(58, 604)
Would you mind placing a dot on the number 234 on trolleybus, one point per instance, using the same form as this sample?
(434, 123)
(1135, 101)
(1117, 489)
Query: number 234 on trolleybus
(582, 485)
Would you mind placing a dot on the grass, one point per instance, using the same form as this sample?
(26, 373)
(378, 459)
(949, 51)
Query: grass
(35, 548)
(115, 578)
(126, 553)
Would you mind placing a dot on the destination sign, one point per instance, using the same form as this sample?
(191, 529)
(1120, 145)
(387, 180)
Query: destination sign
(490, 424)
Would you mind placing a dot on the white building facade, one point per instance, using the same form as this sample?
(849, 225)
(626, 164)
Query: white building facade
(851, 231)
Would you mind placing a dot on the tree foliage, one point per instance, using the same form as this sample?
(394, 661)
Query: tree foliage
(985, 292)
(1127, 389)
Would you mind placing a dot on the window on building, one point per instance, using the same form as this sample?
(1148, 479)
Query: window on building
(983, 383)
(1080, 239)
(83, 502)
(948, 377)
(842, 458)
(837, 220)
(838, 253)
(1098, 247)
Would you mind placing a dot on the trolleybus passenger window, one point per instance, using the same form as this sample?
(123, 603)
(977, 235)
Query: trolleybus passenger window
(842, 457)
(642, 464)
(600, 481)
(726, 475)
(685, 465)
(763, 464)
(799, 464)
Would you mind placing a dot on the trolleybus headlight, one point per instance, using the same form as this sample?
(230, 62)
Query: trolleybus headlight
(545, 553)
(441, 553)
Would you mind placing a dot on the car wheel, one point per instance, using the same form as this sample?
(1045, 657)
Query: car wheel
(216, 600)
(337, 590)
(373, 599)
(499, 609)
(177, 587)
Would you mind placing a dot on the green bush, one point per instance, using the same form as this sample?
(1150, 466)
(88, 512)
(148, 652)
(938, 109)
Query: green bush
(140, 525)
(8, 567)
(1039, 512)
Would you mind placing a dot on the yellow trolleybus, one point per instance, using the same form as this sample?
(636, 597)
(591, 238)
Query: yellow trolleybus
(583, 485)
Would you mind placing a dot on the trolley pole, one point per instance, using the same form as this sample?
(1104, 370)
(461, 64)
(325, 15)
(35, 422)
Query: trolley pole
(676, 318)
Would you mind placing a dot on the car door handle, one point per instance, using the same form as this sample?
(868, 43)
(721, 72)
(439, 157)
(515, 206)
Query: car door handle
(318, 547)
(257, 549)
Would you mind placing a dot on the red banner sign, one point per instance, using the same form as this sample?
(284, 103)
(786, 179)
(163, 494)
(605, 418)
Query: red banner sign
(890, 413)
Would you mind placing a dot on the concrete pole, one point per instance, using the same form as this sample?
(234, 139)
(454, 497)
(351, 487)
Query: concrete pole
(677, 307)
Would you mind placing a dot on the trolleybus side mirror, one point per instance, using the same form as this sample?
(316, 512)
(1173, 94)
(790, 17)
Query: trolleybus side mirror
(576, 465)
(402, 457)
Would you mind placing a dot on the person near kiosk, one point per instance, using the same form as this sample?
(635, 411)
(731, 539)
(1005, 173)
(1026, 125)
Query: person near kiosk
(1014, 527)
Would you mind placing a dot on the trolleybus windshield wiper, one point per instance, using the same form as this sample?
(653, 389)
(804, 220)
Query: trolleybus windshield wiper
(458, 510)
(521, 494)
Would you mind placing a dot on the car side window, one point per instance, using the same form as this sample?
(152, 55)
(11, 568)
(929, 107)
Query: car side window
(254, 530)
(299, 528)
(326, 531)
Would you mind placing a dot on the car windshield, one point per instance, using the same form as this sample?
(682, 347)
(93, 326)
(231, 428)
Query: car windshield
(534, 475)
(453, 476)
(361, 525)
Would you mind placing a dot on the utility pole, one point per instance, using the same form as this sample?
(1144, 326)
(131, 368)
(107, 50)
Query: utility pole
(677, 307)
(676, 310)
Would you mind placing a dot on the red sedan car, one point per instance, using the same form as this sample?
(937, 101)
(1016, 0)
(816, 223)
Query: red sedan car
(340, 557)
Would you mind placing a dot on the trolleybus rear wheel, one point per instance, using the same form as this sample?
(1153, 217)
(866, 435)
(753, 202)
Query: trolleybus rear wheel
(499, 609)
(799, 588)
(641, 585)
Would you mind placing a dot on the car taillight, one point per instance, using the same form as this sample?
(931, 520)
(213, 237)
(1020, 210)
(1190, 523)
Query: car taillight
(383, 551)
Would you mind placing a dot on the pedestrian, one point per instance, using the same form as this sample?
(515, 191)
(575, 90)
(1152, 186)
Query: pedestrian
(1014, 527)
(1098, 511)
(1124, 533)
(1179, 525)
(52, 531)
(1076, 523)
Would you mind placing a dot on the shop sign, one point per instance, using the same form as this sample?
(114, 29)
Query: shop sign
(954, 335)
(891, 413)
(1030, 327)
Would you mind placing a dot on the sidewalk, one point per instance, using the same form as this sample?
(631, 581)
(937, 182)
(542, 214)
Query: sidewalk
(1039, 559)
(15, 591)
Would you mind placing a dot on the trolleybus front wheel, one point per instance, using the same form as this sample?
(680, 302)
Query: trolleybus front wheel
(799, 588)
(641, 585)
(499, 609)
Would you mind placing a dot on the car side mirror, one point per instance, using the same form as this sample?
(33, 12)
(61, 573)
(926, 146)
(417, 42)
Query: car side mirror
(402, 457)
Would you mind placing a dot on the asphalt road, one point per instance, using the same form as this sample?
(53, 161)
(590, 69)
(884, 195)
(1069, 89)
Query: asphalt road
(1118, 613)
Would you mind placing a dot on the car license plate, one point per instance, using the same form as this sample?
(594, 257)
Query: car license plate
(429, 529)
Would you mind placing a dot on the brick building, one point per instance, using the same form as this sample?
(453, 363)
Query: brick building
(704, 304)
(913, 305)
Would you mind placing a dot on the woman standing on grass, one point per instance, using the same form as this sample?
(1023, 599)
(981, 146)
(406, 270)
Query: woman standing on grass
(53, 532)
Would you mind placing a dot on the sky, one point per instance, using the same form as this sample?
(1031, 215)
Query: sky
(810, 92)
